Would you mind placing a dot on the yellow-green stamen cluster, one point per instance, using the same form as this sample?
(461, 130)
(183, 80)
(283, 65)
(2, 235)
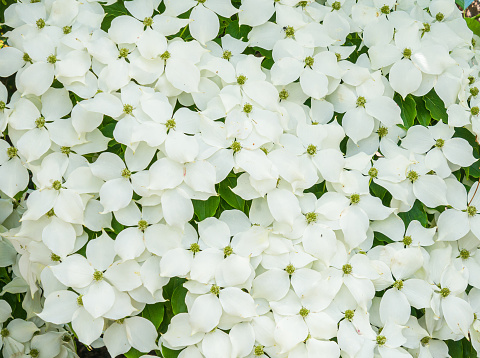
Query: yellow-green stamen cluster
(227, 55)
(126, 173)
(57, 185)
(361, 101)
(385, 9)
(354, 199)
(309, 61)
(471, 210)
(247, 108)
(170, 124)
(412, 176)
(65, 150)
(283, 95)
(474, 111)
(464, 254)
(444, 292)
(236, 146)
(398, 284)
(52, 59)
(26, 57)
(258, 351)
(80, 301)
(311, 217)
(55, 258)
(289, 31)
(227, 251)
(373, 172)
(66, 30)
(347, 269)
(148, 21)
(195, 248)
(241, 80)
(142, 225)
(311, 149)
(407, 53)
(123, 52)
(4, 333)
(50, 213)
(474, 91)
(425, 341)
(290, 269)
(215, 290)
(40, 122)
(127, 108)
(34, 353)
(12, 152)
(349, 314)
(382, 132)
(165, 56)
(439, 17)
(407, 240)
(304, 312)
(439, 143)
(336, 5)
(381, 340)
(98, 275)
(40, 23)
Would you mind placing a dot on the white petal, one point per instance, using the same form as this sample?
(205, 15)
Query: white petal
(458, 314)
(99, 298)
(183, 74)
(290, 331)
(283, 205)
(205, 313)
(116, 194)
(314, 84)
(13, 177)
(125, 29)
(115, 339)
(237, 302)
(74, 271)
(272, 285)
(205, 25)
(87, 328)
(141, 334)
(59, 237)
(430, 190)
(177, 207)
(36, 78)
(458, 151)
(394, 307)
(385, 109)
(59, 307)
(404, 77)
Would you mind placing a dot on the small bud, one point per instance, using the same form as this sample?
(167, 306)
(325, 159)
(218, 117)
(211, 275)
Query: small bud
(347, 269)
(40, 23)
(426, 27)
(66, 338)
(67, 30)
(474, 111)
(336, 5)
(226, 55)
(241, 80)
(474, 91)
(283, 95)
(290, 269)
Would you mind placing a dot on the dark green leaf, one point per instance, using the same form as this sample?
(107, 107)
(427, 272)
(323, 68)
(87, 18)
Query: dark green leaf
(133, 353)
(228, 195)
(423, 115)
(170, 287)
(473, 25)
(206, 208)
(417, 212)
(107, 130)
(154, 313)
(408, 107)
(377, 190)
(169, 353)
(235, 30)
(455, 348)
(435, 106)
(178, 300)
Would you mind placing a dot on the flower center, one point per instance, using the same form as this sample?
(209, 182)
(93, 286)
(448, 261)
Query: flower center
(50, 213)
(26, 57)
(302, 3)
(309, 61)
(52, 59)
(381, 340)
(311, 149)
(407, 53)
(290, 269)
(126, 173)
(4, 332)
(471, 210)
(474, 111)
(354, 199)
(148, 21)
(98, 275)
(373, 172)
(425, 341)
(123, 52)
(474, 91)
(241, 80)
(289, 31)
(236, 147)
(471, 80)
(444, 292)
(226, 55)
(347, 269)
(464, 254)
(349, 314)
(40, 23)
(215, 290)
(426, 27)
(283, 94)
(2, 106)
(34, 353)
(165, 56)
(385, 9)
(258, 351)
(40, 122)
(12, 152)
(170, 124)
(398, 284)
(227, 251)
(127, 109)
(142, 225)
(412, 176)
(336, 5)
(439, 143)
(80, 300)
(67, 30)
(55, 258)
(439, 16)
(361, 101)
(304, 312)
(195, 248)
(311, 217)
(57, 185)
(247, 108)
(382, 131)
(407, 240)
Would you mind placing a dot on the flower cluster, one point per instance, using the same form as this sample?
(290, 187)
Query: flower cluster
(254, 178)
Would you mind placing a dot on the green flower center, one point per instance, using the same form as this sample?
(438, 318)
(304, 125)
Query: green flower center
(52, 59)
(311, 217)
(382, 132)
(170, 124)
(407, 240)
(425, 341)
(40, 23)
(247, 108)
(12, 152)
(311, 149)
(165, 56)
(349, 314)
(439, 143)
(289, 31)
(50, 213)
(127, 109)
(336, 5)
(283, 95)
(381, 340)
(98, 275)
(2, 106)
(474, 91)
(439, 16)
(398, 284)
(65, 150)
(148, 21)
(426, 27)
(195, 248)
(57, 185)
(34, 353)
(373, 172)
(412, 176)
(226, 55)
(347, 269)
(354, 199)
(67, 30)
(236, 146)
(471, 80)
(66, 338)
(126, 173)
(26, 57)
(302, 3)
(40, 122)
(4, 332)
(471, 210)
(444, 292)
(385, 9)
(241, 80)
(258, 351)
(123, 52)
(304, 312)
(201, 1)
(215, 290)
(142, 225)
(407, 53)
(361, 101)
(290, 269)
(55, 258)
(338, 56)
(464, 254)
(80, 300)
(474, 111)
(227, 251)
(309, 61)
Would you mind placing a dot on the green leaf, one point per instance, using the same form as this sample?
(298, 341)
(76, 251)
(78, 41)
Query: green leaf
(170, 287)
(154, 313)
(107, 130)
(228, 195)
(417, 212)
(473, 25)
(206, 208)
(377, 190)
(178, 300)
(455, 348)
(408, 107)
(435, 106)
(423, 115)
(169, 353)
(133, 353)
(237, 31)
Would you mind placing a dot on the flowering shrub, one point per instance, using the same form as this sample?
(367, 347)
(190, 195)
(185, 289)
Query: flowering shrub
(254, 178)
